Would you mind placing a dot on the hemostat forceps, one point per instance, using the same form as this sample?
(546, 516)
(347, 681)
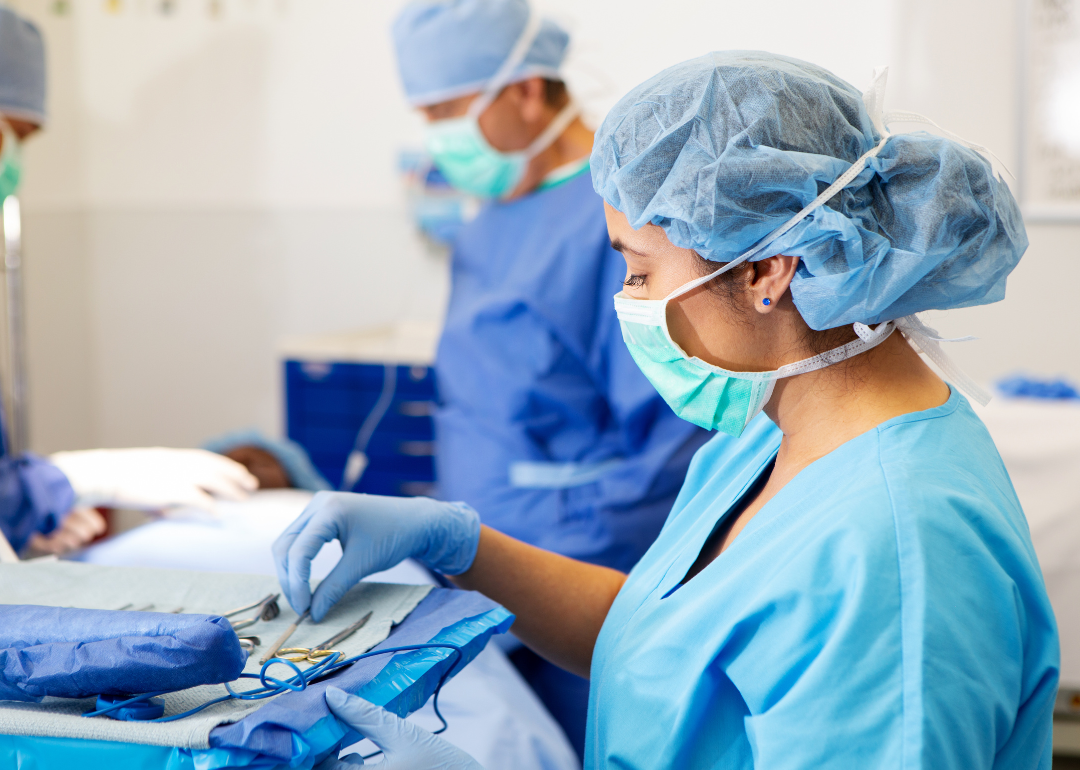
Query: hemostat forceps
(265, 609)
(317, 653)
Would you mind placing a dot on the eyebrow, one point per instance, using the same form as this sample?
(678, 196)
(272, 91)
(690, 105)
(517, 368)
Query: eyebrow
(622, 247)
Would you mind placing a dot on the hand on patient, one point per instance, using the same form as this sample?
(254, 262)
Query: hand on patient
(405, 745)
(375, 533)
(78, 529)
(153, 478)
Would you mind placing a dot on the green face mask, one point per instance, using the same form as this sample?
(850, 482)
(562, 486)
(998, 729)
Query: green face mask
(706, 395)
(462, 153)
(10, 164)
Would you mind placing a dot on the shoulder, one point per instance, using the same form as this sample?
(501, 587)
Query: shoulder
(549, 254)
(944, 474)
(563, 213)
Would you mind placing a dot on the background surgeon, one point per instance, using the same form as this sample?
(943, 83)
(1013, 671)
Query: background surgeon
(546, 425)
(48, 503)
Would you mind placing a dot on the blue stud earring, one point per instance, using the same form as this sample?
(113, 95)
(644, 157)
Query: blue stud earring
(766, 301)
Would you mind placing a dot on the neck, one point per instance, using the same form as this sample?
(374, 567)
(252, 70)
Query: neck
(573, 144)
(819, 411)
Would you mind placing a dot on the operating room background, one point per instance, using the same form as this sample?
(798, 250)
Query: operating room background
(209, 184)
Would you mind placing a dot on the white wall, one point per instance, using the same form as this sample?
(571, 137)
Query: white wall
(956, 62)
(209, 185)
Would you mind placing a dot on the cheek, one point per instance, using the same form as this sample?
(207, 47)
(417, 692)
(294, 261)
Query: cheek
(501, 127)
(691, 320)
(703, 327)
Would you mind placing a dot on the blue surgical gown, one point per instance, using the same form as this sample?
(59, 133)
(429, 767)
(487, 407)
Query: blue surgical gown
(35, 495)
(532, 369)
(884, 610)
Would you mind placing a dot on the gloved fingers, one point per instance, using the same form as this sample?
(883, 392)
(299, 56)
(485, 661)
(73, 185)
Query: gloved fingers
(406, 746)
(281, 547)
(303, 549)
(223, 477)
(342, 577)
(387, 731)
(187, 497)
(333, 763)
(236, 473)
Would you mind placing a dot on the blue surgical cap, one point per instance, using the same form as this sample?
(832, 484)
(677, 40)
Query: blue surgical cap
(721, 150)
(22, 69)
(302, 474)
(450, 48)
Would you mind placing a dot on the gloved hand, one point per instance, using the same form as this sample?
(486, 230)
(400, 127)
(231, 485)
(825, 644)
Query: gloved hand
(375, 533)
(153, 478)
(405, 746)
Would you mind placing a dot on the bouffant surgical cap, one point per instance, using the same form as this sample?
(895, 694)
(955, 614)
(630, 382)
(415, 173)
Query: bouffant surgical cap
(293, 459)
(451, 48)
(22, 69)
(722, 150)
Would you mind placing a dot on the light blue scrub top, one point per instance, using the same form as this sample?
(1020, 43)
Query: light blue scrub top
(884, 610)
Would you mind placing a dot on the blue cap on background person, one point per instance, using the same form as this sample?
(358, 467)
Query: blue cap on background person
(451, 48)
(290, 455)
(22, 69)
(723, 149)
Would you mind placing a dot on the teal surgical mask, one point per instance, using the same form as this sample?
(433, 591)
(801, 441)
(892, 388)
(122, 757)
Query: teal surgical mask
(10, 162)
(468, 161)
(697, 391)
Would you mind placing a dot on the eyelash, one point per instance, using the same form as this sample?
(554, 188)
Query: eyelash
(634, 281)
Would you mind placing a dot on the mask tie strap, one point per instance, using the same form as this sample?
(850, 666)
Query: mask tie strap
(925, 340)
(554, 130)
(920, 336)
(868, 340)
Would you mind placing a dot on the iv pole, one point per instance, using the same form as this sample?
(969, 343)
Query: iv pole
(16, 332)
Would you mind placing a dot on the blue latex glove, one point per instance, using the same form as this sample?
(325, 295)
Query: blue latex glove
(405, 746)
(375, 533)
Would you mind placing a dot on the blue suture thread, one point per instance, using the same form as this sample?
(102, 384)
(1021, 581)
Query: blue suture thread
(296, 683)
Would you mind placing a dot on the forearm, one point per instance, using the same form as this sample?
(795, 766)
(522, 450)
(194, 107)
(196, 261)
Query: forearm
(560, 603)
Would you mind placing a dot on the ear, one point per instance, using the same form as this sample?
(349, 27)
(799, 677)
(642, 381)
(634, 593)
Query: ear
(771, 280)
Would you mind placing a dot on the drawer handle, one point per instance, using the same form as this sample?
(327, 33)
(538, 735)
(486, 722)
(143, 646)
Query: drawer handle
(416, 408)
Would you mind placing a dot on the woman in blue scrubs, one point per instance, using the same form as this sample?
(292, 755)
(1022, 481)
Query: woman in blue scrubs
(851, 582)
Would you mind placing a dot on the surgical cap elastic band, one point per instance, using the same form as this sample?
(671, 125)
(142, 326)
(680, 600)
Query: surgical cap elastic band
(922, 337)
(516, 56)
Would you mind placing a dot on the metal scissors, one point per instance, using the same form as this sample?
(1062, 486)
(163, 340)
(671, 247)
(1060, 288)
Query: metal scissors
(317, 653)
(265, 609)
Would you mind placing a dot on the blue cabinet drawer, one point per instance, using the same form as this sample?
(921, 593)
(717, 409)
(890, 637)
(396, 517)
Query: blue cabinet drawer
(345, 410)
(423, 468)
(326, 404)
(411, 380)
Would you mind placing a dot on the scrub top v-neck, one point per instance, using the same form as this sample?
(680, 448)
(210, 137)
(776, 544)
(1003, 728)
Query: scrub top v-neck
(885, 609)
